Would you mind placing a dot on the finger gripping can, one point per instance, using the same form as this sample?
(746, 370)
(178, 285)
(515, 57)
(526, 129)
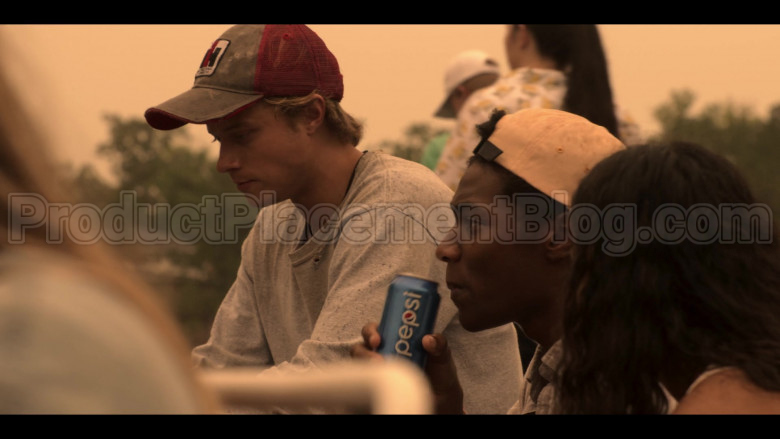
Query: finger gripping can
(409, 314)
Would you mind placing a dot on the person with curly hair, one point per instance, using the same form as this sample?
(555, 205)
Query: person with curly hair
(685, 322)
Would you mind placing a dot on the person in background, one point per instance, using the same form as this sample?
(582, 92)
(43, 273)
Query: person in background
(79, 333)
(553, 66)
(687, 321)
(467, 72)
(507, 258)
(336, 225)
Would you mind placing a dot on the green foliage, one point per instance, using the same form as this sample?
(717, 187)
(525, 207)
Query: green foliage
(87, 184)
(750, 142)
(160, 168)
(416, 137)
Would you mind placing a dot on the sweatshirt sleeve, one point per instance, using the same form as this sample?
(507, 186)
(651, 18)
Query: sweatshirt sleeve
(237, 336)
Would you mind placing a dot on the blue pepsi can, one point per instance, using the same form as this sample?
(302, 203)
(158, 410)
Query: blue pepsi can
(410, 313)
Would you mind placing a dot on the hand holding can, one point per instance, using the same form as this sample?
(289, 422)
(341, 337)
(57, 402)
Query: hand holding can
(410, 313)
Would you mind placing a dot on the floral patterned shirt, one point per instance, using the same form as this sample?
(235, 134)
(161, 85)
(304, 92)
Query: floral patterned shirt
(521, 88)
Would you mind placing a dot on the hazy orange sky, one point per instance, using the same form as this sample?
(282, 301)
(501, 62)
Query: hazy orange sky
(72, 74)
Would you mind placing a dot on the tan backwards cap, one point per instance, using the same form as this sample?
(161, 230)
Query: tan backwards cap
(550, 149)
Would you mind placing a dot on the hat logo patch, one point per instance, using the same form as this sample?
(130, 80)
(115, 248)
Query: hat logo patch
(212, 58)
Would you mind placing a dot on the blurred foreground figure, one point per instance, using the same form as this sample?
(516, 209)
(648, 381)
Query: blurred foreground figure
(78, 334)
(687, 320)
(336, 224)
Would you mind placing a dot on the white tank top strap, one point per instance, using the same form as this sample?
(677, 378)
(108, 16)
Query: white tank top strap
(710, 371)
(672, 402)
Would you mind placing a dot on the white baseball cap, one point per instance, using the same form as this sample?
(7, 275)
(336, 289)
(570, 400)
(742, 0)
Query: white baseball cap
(463, 67)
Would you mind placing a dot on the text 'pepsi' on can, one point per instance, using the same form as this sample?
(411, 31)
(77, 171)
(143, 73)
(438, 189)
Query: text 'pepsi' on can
(410, 313)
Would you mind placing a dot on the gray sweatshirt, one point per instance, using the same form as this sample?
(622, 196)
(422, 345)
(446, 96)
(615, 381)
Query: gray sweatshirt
(295, 306)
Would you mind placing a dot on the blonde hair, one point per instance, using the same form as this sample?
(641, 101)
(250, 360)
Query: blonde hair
(24, 169)
(343, 126)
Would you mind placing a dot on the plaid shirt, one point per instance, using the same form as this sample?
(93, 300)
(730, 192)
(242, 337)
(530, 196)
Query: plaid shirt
(538, 392)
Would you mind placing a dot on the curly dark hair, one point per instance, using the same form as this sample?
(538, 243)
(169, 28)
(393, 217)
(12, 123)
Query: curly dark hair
(665, 312)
